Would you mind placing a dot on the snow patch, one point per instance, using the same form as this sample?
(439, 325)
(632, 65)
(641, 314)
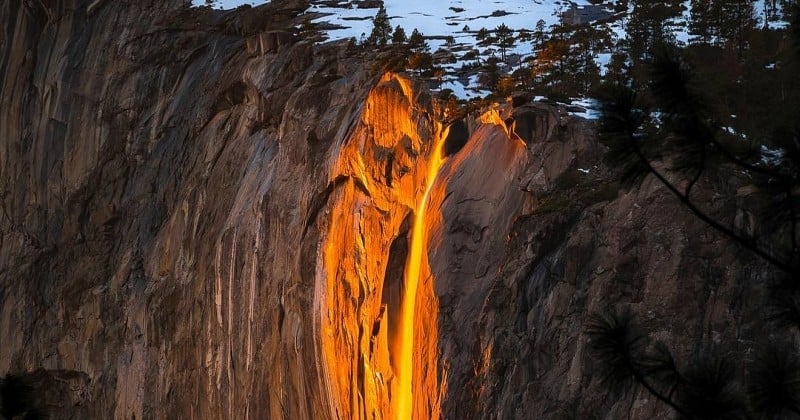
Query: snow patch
(772, 157)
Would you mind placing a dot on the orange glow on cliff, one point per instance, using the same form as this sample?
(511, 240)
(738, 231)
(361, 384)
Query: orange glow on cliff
(403, 398)
(364, 306)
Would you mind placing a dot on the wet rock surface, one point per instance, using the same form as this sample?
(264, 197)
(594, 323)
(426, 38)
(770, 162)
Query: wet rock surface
(204, 216)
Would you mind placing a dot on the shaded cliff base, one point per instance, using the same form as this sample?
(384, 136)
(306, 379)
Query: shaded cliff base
(44, 394)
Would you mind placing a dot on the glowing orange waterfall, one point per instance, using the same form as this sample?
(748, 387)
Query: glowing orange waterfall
(402, 399)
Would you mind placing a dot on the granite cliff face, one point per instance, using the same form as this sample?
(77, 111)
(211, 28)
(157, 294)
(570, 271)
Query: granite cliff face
(203, 216)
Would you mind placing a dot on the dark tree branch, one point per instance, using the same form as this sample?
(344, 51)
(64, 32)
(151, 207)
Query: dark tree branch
(688, 190)
(672, 390)
(748, 166)
(666, 400)
(685, 200)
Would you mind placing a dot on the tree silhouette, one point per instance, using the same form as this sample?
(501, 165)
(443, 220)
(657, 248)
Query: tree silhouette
(551, 65)
(706, 388)
(420, 58)
(490, 74)
(694, 140)
(416, 42)
(703, 22)
(539, 35)
(381, 28)
(666, 126)
(626, 356)
(484, 38)
(774, 389)
(739, 19)
(649, 25)
(719, 21)
(399, 35)
(505, 39)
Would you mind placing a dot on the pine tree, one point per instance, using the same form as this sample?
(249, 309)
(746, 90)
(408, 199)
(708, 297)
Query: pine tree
(416, 42)
(491, 74)
(420, 58)
(553, 57)
(700, 24)
(505, 39)
(381, 28)
(738, 19)
(484, 38)
(539, 35)
(628, 357)
(649, 26)
(399, 35)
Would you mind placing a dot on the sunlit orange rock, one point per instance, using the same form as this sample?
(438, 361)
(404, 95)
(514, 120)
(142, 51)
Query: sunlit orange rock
(390, 159)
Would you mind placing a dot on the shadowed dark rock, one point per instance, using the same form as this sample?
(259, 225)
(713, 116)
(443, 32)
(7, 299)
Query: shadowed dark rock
(456, 138)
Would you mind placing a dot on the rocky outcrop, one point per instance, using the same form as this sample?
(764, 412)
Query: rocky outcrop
(204, 216)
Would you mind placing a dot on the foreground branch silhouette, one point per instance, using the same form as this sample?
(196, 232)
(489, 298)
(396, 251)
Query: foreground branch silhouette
(665, 127)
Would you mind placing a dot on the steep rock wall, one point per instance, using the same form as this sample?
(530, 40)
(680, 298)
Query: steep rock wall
(159, 174)
(204, 217)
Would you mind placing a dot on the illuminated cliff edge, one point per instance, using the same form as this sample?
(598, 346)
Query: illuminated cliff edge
(380, 176)
(383, 218)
